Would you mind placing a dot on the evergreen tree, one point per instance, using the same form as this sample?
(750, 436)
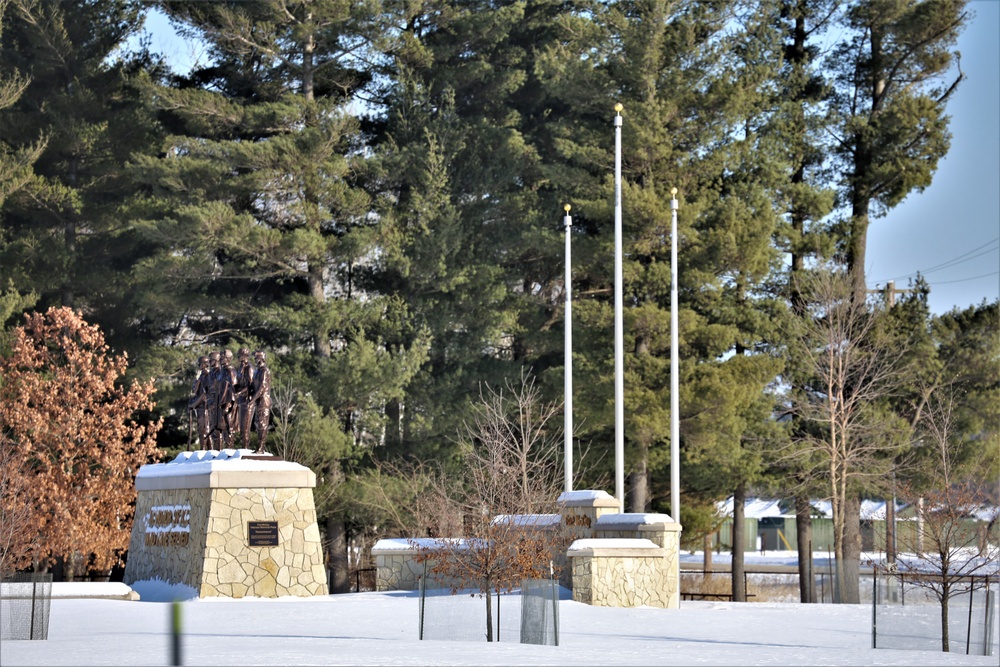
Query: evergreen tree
(15, 165)
(670, 65)
(474, 238)
(893, 78)
(265, 232)
(806, 200)
(81, 116)
(891, 85)
(968, 355)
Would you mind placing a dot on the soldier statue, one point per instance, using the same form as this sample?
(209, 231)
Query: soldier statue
(198, 405)
(260, 399)
(227, 398)
(244, 408)
(212, 401)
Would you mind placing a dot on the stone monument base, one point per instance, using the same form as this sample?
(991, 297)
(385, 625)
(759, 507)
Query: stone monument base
(230, 524)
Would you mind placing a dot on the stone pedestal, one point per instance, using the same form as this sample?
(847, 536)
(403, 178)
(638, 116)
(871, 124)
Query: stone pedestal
(227, 524)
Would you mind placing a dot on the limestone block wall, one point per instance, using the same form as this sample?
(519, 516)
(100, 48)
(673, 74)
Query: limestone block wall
(233, 568)
(168, 536)
(616, 559)
(581, 509)
(632, 573)
(659, 529)
(396, 567)
(580, 512)
(192, 527)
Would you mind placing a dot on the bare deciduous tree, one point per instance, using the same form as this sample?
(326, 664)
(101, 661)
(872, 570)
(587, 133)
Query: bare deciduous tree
(855, 364)
(283, 407)
(513, 480)
(410, 498)
(952, 543)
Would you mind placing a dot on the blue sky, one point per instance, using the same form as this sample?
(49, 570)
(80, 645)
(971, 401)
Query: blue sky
(955, 223)
(951, 231)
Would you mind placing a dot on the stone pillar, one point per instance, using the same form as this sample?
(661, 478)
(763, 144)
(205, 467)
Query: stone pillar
(621, 572)
(659, 529)
(580, 511)
(227, 524)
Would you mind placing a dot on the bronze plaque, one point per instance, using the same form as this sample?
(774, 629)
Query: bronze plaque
(263, 533)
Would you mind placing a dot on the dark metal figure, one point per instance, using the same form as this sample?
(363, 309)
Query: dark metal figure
(260, 399)
(227, 398)
(199, 403)
(212, 402)
(244, 408)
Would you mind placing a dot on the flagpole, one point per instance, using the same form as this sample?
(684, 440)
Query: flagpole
(619, 326)
(675, 430)
(568, 361)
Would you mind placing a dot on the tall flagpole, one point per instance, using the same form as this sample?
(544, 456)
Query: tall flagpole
(675, 429)
(619, 326)
(568, 362)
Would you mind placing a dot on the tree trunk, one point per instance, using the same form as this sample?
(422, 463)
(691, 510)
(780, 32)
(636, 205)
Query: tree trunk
(707, 564)
(69, 237)
(890, 531)
(336, 537)
(851, 572)
(920, 527)
(489, 615)
(639, 478)
(738, 570)
(321, 335)
(945, 593)
(640, 482)
(394, 424)
(803, 533)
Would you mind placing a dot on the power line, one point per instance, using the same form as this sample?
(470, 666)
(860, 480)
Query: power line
(951, 262)
(964, 280)
(954, 261)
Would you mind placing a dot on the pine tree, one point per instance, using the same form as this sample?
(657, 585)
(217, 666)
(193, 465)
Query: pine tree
(472, 252)
(807, 200)
(892, 80)
(15, 164)
(81, 117)
(694, 119)
(266, 232)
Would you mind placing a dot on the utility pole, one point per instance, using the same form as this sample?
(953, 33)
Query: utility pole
(890, 505)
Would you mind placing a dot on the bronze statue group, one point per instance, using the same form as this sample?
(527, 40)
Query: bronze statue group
(226, 401)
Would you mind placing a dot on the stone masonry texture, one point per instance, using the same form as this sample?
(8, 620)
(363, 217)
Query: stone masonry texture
(199, 537)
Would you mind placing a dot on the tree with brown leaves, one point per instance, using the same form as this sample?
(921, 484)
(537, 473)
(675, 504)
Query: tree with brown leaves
(78, 440)
(15, 513)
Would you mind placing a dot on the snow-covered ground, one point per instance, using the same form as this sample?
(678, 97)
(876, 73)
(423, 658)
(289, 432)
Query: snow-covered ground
(382, 629)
